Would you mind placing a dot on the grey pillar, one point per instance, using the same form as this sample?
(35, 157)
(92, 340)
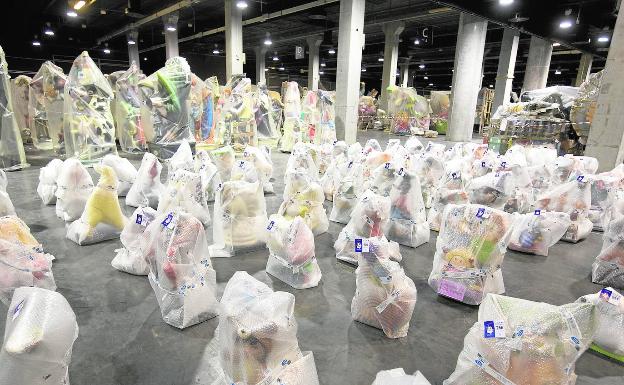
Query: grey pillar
(350, 44)
(466, 77)
(234, 56)
(405, 72)
(506, 67)
(133, 49)
(261, 64)
(171, 37)
(392, 31)
(314, 43)
(538, 64)
(584, 69)
(606, 136)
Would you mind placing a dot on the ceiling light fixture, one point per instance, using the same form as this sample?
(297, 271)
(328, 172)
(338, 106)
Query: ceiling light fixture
(556, 44)
(565, 24)
(267, 39)
(331, 51)
(281, 68)
(71, 13)
(491, 86)
(426, 77)
(505, 2)
(171, 28)
(417, 41)
(36, 43)
(241, 4)
(603, 39)
(363, 69)
(47, 30)
(79, 4)
(380, 59)
(144, 59)
(421, 66)
(275, 58)
(557, 71)
(106, 51)
(321, 73)
(131, 42)
(430, 84)
(323, 65)
(215, 50)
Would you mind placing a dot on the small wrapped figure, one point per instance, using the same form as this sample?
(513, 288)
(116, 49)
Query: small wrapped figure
(14, 230)
(609, 336)
(147, 186)
(74, 185)
(304, 198)
(224, 159)
(125, 171)
(238, 116)
(608, 267)
(261, 159)
(347, 193)
(130, 257)
(184, 190)
(46, 189)
(267, 126)
(209, 174)
(451, 190)
(536, 232)
(6, 205)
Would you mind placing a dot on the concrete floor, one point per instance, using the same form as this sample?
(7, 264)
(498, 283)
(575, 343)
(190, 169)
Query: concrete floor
(123, 339)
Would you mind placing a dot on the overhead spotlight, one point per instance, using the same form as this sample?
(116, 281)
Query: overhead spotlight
(491, 86)
(71, 13)
(84, 26)
(190, 25)
(79, 4)
(505, 2)
(281, 68)
(215, 50)
(102, 12)
(363, 69)
(565, 24)
(145, 59)
(323, 64)
(421, 66)
(131, 42)
(36, 42)
(321, 73)
(171, 28)
(426, 77)
(106, 51)
(603, 39)
(275, 57)
(48, 31)
(266, 69)
(417, 41)
(241, 4)
(556, 44)
(557, 71)
(267, 39)
(331, 51)
(380, 59)
(430, 84)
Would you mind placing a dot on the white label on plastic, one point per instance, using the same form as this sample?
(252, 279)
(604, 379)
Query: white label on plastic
(391, 298)
(494, 329)
(482, 363)
(361, 245)
(503, 124)
(18, 309)
(610, 296)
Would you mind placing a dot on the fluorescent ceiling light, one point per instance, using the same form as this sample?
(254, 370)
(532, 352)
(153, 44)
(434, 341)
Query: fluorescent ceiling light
(106, 51)
(380, 59)
(557, 72)
(603, 39)
(49, 32)
(323, 64)
(491, 86)
(565, 24)
(321, 73)
(171, 28)
(430, 84)
(36, 43)
(267, 41)
(131, 42)
(79, 4)
(241, 4)
(417, 41)
(71, 13)
(281, 68)
(215, 51)
(331, 51)
(363, 69)
(556, 44)
(275, 58)
(426, 77)
(505, 2)
(421, 66)
(145, 59)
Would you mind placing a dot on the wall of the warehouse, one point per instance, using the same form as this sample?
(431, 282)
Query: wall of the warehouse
(205, 66)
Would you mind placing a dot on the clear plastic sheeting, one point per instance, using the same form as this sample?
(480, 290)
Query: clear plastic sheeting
(184, 191)
(128, 102)
(12, 155)
(561, 95)
(258, 336)
(206, 134)
(46, 189)
(302, 157)
(310, 115)
(516, 341)
(74, 186)
(166, 116)
(261, 159)
(209, 174)
(609, 335)
(382, 179)
(384, 296)
(398, 377)
(14, 230)
(20, 91)
(124, 170)
(451, 190)
(536, 232)
(102, 218)
(430, 170)
(494, 189)
(45, 107)
(293, 129)
(605, 188)
(198, 100)
(608, 267)
(469, 253)
(303, 197)
(182, 159)
(88, 125)
(347, 190)
(224, 159)
(238, 123)
(267, 126)
(129, 258)
(440, 102)
(147, 186)
(291, 252)
(40, 332)
(367, 112)
(584, 108)
(407, 223)
(6, 205)
(409, 112)
(181, 273)
(326, 131)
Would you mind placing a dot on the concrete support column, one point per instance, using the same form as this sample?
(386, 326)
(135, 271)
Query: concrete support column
(133, 49)
(405, 74)
(466, 77)
(538, 64)
(606, 136)
(506, 67)
(314, 43)
(261, 64)
(350, 44)
(392, 31)
(171, 35)
(584, 69)
(234, 56)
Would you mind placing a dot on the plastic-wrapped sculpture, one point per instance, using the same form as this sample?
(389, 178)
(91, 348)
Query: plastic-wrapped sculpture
(45, 107)
(267, 126)
(368, 219)
(516, 341)
(46, 189)
(409, 111)
(181, 274)
(407, 224)
(608, 268)
(14, 230)
(493, 189)
(367, 111)
(374, 159)
(303, 197)
(74, 185)
(573, 198)
(128, 102)
(584, 106)
(291, 252)
(398, 377)
(102, 218)
(310, 115)
(40, 332)
(293, 126)
(258, 336)
(382, 179)
(12, 155)
(23, 265)
(430, 170)
(184, 191)
(147, 186)
(384, 296)
(469, 253)
(198, 98)
(278, 109)
(451, 190)
(129, 258)
(88, 126)
(6, 206)
(124, 170)
(182, 159)
(238, 123)
(205, 134)
(261, 159)
(20, 90)
(165, 116)
(302, 157)
(209, 174)
(604, 191)
(348, 189)
(224, 159)
(326, 129)
(536, 232)
(609, 335)
(440, 103)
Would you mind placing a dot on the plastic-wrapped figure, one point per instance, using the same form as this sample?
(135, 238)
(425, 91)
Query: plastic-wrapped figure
(293, 126)
(14, 230)
(347, 192)
(310, 115)
(367, 111)
(291, 252)
(130, 257)
(20, 89)
(268, 128)
(302, 157)
(326, 129)
(573, 198)
(184, 191)
(258, 336)
(206, 134)
(198, 98)
(128, 102)
(224, 159)
(88, 125)
(181, 273)
(608, 268)
(261, 159)
(166, 118)
(407, 224)
(536, 232)
(382, 179)
(609, 335)
(6, 206)
(398, 377)
(469, 253)
(46, 189)
(209, 174)
(384, 296)
(409, 111)
(45, 107)
(40, 331)
(440, 103)
(451, 190)
(74, 185)
(516, 341)
(604, 191)
(303, 197)
(182, 159)
(12, 155)
(102, 218)
(493, 189)
(147, 186)
(430, 171)
(238, 115)
(125, 171)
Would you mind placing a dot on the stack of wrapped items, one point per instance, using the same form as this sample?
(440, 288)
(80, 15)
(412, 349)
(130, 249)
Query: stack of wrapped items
(409, 112)
(12, 155)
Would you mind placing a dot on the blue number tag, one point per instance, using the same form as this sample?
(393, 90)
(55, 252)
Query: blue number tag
(270, 226)
(580, 178)
(537, 212)
(480, 212)
(18, 309)
(139, 219)
(358, 245)
(503, 164)
(488, 329)
(482, 164)
(167, 220)
(387, 166)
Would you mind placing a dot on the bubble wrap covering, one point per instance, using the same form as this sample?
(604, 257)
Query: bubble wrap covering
(238, 121)
(606, 189)
(6, 205)
(310, 115)
(302, 157)
(348, 189)
(12, 155)
(147, 186)
(40, 332)
(304, 198)
(258, 336)
(585, 104)
(451, 190)
(429, 169)
(293, 126)
(224, 159)
(536, 232)
(368, 219)
(493, 189)
(180, 272)
(88, 125)
(609, 333)
(14, 230)
(291, 252)
(574, 199)
(184, 191)
(608, 267)
(206, 133)
(182, 159)
(384, 296)
(45, 107)
(125, 171)
(382, 179)
(409, 111)
(74, 186)
(398, 377)
(130, 258)
(128, 102)
(267, 125)
(407, 223)
(260, 157)
(469, 253)
(209, 174)
(102, 218)
(19, 91)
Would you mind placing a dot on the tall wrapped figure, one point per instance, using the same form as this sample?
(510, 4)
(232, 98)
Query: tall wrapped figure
(12, 155)
(293, 126)
(128, 102)
(20, 89)
(268, 127)
(45, 107)
(206, 134)
(326, 131)
(238, 122)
